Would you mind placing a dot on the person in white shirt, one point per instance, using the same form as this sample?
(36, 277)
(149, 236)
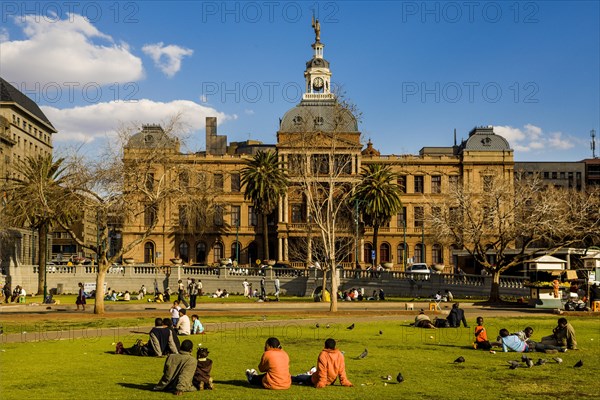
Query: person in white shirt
(184, 325)
(246, 286)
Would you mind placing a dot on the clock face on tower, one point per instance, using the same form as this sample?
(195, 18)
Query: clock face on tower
(318, 83)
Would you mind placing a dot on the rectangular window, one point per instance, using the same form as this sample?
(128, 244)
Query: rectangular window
(343, 164)
(419, 179)
(453, 182)
(218, 217)
(252, 217)
(402, 183)
(320, 164)
(401, 218)
(150, 215)
(455, 215)
(546, 175)
(297, 216)
(436, 213)
(436, 184)
(235, 183)
(218, 182)
(235, 215)
(149, 181)
(488, 183)
(183, 215)
(418, 217)
(184, 180)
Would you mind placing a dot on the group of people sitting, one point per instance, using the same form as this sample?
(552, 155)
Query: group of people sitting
(561, 339)
(220, 294)
(275, 368)
(453, 320)
(184, 373)
(359, 294)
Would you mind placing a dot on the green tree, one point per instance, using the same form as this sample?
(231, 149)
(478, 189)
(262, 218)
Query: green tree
(34, 196)
(265, 182)
(378, 196)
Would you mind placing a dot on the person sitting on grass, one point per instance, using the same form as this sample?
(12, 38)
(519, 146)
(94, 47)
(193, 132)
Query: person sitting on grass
(563, 335)
(423, 321)
(481, 339)
(183, 324)
(197, 327)
(456, 316)
(330, 367)
(178, 371)
(202, 379)
(275, 363)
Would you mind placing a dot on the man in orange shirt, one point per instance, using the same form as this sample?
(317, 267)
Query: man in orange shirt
(275, 363)
(330, 366)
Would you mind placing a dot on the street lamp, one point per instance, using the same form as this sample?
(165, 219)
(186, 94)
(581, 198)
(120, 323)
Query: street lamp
(237, 242)
(423, 256)
(404, 249)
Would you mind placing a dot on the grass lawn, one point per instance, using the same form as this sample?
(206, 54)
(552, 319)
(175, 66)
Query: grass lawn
(87, 368)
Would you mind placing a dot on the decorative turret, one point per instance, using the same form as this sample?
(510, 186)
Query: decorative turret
(317, 73)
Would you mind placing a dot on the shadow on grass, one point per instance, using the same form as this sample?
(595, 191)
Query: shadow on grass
(144, 386)
(236, 382)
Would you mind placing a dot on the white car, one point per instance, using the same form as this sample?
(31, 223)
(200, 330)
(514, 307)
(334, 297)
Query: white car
(418, 271)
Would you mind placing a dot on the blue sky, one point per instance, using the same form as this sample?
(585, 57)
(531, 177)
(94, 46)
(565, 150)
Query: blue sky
(416, 70)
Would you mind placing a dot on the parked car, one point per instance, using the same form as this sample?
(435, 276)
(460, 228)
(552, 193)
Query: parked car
(418, 271)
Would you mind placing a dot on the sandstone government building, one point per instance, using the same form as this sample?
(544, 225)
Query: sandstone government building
(235, 231)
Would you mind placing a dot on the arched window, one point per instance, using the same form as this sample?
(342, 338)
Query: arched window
(217, 251)
(419, 252)
(149, 253)
(252, 252)
(437, 254)
(384, 252)
(201, 252)
(400, 254)
(184, 251)
(236, 251)
(368, 253)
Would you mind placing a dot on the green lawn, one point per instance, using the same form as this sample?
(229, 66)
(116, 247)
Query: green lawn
(87, 368)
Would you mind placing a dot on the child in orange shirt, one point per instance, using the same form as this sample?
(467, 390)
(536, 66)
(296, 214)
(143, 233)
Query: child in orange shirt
(481, 340)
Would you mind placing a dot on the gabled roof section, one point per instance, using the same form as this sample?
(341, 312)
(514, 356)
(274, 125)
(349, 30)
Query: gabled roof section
(10, 94)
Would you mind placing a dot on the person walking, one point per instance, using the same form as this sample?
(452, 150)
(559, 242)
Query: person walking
(193, 290)
(276, 283)
(263, 291)
(80, 297)
(181, 294)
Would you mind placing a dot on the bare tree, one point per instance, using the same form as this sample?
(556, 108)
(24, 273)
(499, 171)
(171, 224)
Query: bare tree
(132, 179)
(504, 222)
(322, 163)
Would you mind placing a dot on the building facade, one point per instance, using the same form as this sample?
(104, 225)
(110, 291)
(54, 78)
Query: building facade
(25, 131)
(322, 134)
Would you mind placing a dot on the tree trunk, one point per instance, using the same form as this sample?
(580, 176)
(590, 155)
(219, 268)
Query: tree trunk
(43, 256)
(333, 305)
(265, 238)
(495, 290)
(100, 278)
(375, 237)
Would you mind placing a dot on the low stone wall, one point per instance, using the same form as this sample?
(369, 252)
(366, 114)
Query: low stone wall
(293, 282)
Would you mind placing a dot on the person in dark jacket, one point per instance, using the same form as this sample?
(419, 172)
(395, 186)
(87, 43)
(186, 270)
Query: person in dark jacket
(161, 340)
(456, 316)
(202, 379)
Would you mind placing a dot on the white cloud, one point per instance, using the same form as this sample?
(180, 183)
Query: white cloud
(64, 51)
(99, 121)
(532, 138)
(167, 58)
(4, 35)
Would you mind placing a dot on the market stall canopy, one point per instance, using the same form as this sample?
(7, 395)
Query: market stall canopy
(546, 263)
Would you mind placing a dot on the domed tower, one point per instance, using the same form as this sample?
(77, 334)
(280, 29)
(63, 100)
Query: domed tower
(319, 143)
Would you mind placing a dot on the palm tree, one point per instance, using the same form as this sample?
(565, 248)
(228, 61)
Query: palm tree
(34, 197)
(265, 181)
(378, 194)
